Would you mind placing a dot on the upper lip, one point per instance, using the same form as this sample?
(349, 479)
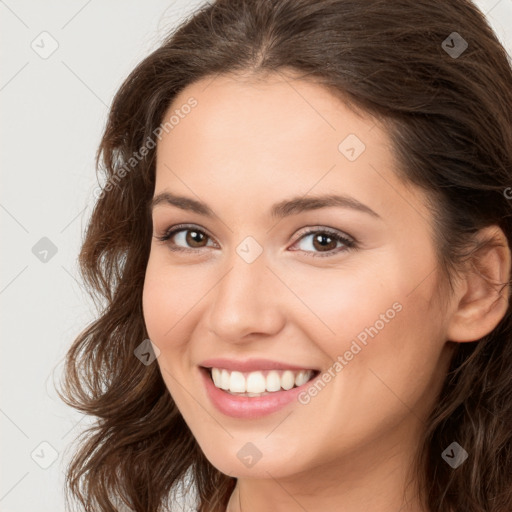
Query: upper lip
(249, 365)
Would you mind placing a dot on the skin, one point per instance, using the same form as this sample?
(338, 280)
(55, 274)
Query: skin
(247, 145)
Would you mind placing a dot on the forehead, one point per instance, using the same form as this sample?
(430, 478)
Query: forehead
(276, 110)
(274, 137)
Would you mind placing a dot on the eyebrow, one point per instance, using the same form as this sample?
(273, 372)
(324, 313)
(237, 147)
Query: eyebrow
(282, 209)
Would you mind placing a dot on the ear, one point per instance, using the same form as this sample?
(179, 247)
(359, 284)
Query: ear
(482, 298)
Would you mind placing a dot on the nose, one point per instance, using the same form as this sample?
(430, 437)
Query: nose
(246, 302)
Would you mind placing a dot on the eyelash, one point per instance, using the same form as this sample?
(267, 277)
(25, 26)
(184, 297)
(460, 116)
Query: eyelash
(349, 243)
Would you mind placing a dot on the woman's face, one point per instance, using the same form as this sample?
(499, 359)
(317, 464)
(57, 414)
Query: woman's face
(260, 273)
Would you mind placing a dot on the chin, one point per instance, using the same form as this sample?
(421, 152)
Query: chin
(244, 459)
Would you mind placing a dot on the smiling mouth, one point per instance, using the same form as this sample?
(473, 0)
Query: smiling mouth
(258, 383)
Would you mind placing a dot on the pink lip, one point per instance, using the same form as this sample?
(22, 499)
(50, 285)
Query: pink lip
(245, 406)
(250, 365)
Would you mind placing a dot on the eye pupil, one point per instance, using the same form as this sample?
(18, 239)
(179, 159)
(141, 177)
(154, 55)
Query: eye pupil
(321, 238)
(193, 236)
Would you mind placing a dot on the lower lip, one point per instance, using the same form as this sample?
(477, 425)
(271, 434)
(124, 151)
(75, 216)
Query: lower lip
(249, 407)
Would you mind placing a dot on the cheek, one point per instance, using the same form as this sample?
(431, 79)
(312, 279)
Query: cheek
(392, 355)
(169, 297)
(157, 303)
(375, 319)
(340, 305)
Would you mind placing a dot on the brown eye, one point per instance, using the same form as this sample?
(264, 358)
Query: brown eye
(184, 238)
(324, 242)
(195, 238)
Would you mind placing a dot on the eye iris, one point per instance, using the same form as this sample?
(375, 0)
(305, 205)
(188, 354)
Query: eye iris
(321, 238)
(193, 236)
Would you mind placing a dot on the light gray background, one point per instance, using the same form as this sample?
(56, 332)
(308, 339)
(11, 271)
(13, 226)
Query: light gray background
(53, 113)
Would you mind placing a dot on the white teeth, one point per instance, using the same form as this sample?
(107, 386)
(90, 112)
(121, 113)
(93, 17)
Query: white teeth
(287, 380)
(302, 377)
(216, 377)
(224, 380)
(273, 381)
(237, 383)
(257, 383)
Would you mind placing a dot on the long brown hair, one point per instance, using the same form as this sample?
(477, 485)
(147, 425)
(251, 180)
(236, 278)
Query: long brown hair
(449, 114)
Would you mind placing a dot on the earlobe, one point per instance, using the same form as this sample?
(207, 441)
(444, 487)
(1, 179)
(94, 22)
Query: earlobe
(484, 299)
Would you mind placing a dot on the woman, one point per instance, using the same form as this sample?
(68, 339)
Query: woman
(302, 245)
